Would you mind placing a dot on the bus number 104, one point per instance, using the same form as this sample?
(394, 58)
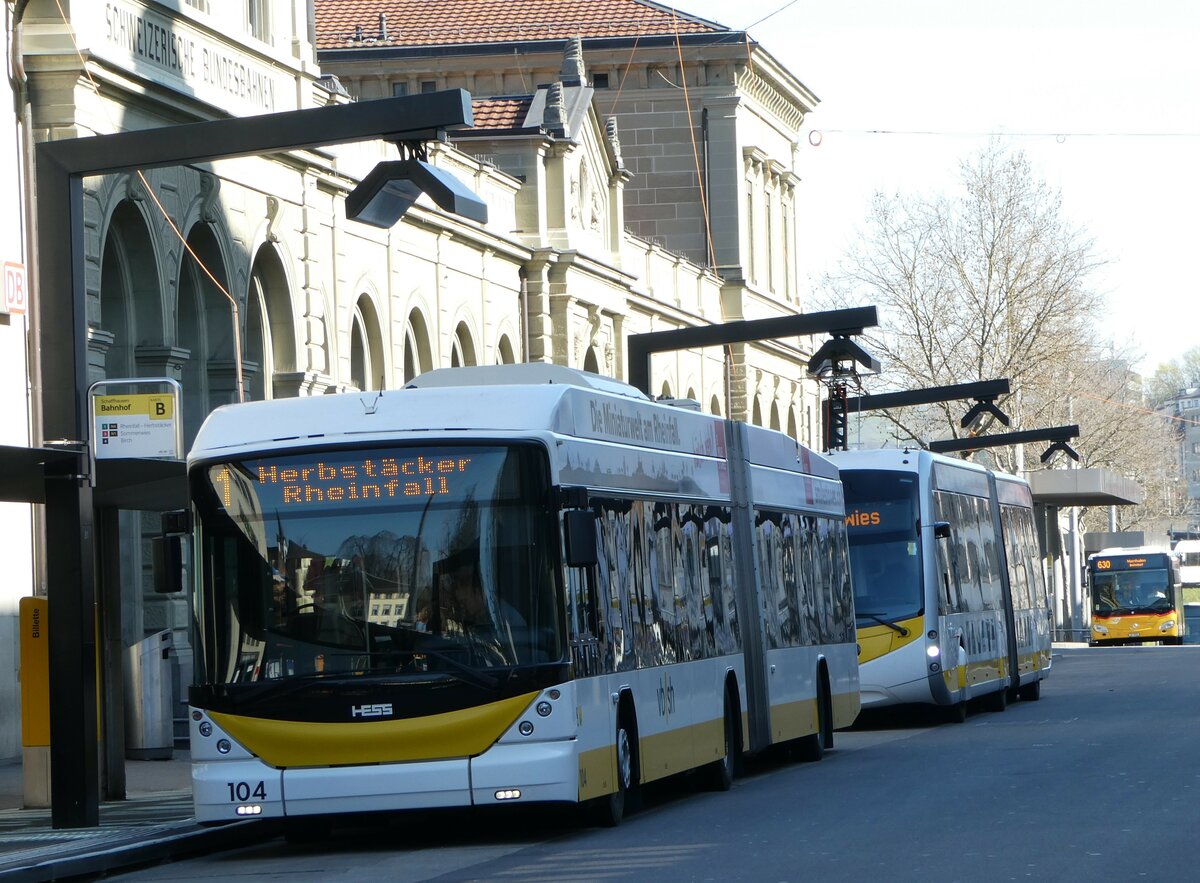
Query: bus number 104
(242, 791)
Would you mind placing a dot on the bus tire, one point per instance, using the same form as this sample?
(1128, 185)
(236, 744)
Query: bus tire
(811, 748)
(1032, 691)
(957, 713)
(998, 701)
(718, 775)
(608, 811)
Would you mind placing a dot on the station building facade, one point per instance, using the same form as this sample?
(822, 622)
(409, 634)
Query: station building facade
(560, 272)
(16, 518)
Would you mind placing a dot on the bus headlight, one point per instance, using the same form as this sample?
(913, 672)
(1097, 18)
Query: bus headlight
(1167, 626)
(932, 651)
(1100, 630)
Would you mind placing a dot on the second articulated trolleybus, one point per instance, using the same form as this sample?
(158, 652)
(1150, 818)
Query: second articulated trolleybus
(1136, 596)
(949, 590)
(502, 585)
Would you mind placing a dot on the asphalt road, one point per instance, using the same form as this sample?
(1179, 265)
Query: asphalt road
(1099, 780)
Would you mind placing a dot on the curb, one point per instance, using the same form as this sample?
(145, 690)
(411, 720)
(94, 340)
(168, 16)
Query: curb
(131, 847)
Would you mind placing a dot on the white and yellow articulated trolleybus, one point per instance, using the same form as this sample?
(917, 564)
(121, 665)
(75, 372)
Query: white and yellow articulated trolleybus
(950, 594)
(508, 584)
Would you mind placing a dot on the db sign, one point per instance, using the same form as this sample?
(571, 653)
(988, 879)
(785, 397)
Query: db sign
(14, 288)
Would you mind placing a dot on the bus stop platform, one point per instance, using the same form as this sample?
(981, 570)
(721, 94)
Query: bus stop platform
(155, 823)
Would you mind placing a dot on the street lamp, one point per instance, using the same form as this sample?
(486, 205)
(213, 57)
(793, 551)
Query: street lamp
(391, 188)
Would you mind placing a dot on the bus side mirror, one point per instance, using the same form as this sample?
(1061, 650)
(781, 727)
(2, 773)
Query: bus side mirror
(168, 552)
(168, 564)
(941, 530)
(579, 534)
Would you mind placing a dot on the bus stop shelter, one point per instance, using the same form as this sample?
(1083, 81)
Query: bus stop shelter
(1053, 491)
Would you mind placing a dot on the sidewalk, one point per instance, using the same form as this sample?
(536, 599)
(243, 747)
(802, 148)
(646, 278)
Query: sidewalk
(154, 823)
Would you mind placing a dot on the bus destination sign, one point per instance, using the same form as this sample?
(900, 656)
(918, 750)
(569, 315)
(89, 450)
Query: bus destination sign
(360, 480)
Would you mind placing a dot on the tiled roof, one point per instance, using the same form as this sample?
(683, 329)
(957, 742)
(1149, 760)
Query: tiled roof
(500, 113)
(348, 24)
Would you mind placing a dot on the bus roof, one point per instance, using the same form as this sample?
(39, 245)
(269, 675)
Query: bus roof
(521, 400)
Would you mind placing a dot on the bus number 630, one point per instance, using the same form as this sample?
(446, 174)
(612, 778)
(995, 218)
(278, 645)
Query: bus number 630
(241, 791)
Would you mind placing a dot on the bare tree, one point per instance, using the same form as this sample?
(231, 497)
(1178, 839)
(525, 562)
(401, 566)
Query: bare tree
(986, 283)
(990, 282)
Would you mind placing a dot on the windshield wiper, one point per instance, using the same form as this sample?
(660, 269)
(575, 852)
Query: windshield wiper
(899, 629)
(465, 672)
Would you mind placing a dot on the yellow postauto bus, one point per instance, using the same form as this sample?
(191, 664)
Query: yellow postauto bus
(1136, 597)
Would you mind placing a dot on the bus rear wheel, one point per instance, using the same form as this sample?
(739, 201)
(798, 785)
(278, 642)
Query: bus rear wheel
(1032, 691)
(718, 775)
(998, 701)
(956, 713)
(811, 748)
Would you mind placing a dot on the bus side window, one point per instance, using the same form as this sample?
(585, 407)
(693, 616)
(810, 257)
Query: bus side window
(949, 593)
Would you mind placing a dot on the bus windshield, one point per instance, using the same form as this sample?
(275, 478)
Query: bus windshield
(377, 561)
(1131, 591)
(881, 521)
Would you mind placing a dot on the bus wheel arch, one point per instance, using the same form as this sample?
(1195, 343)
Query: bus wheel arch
(609, 810)
(825, 697)
(1032, 691)
(812, 747)
(718, 775)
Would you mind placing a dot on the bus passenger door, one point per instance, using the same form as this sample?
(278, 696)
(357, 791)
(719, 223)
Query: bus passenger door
(595, 714)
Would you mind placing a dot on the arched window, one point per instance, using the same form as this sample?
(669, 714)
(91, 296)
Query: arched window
(792, 429)
(462, 349)
(714, 406)
(270, 339)
(590, 361)
(774, 416)
(417, 358)
(205, 330)
(366, 347)
(504, 352)
(756, 414)
(130, 297)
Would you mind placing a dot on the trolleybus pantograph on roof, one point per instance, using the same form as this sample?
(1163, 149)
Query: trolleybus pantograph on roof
(504, 585)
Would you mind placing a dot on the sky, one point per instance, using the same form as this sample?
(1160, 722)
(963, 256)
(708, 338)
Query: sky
(1103, 97)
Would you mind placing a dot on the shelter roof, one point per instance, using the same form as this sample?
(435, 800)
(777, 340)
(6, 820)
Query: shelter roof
(1083, 487)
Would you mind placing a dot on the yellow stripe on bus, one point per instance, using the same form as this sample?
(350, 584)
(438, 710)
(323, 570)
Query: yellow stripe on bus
(875, 641)
(462, 733)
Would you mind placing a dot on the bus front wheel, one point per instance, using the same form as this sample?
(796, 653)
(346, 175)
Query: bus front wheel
(608, 811)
